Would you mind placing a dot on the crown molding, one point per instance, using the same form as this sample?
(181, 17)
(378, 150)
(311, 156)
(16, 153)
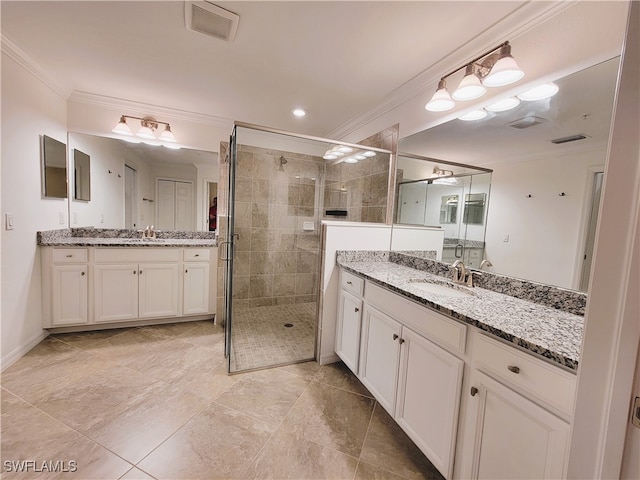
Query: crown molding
(519, 22)
(18, 55)
(86, 98)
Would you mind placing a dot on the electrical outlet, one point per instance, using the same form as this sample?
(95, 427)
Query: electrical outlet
(75, 218)
(61, 218)
(505, 238)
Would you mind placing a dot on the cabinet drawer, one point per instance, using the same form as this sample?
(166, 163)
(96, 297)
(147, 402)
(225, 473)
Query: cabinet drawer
(196, 255)
(445, 331)
(70, 255)
(136, 255)
(351, 283)
(538, 378)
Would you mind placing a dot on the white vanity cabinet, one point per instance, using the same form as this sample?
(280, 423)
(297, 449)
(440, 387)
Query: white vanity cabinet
(517, 418)
(349, 319)
(409, 360)
(70, 281)
(195, 284)
(109, 286)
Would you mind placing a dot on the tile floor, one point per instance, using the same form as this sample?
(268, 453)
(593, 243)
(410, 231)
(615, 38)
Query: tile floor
(261, 339)
(156, 402)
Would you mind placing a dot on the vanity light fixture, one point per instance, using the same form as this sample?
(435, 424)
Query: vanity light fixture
(503, 105)
(147, 131)
(474, 115)
(540, 92)
(494, 68)
(337, 152)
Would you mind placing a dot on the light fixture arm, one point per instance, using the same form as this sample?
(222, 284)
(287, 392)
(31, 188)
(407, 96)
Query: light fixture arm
(150, 122)
(479, 57)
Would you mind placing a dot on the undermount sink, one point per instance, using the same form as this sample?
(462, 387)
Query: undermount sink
(444, 289)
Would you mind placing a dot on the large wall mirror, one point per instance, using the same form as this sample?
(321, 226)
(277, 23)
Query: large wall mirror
(546, 157)
(132, 185)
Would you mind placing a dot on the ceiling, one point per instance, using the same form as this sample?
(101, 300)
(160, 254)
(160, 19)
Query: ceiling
(338, 60)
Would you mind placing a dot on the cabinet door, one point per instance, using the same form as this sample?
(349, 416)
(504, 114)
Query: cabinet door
(116, 292)
(158, 283)
(70, 293)
(196, 288)
(429, 398)
(348, 329)
(515, 438)
(380, 356)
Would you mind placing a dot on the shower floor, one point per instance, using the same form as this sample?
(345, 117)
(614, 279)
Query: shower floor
(260, 338)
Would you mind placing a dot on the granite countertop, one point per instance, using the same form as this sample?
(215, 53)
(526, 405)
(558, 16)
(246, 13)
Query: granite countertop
(547, 332)
(111, 237)
(127, 242)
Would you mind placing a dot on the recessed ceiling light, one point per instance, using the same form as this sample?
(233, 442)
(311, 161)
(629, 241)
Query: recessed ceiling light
(299, 112)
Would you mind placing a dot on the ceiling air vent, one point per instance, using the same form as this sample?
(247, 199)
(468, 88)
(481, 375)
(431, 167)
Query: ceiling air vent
(570, 138)
(210, 19)
(526, 122)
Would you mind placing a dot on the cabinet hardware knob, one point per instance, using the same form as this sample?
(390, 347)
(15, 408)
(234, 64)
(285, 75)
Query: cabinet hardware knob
(513, 368)
(69, 256)
(140, 272)
(197, 255)
(401, 341)
(186, 271)
(474, 391)
(349, 283)
(82, 274)
(395, 336)
(134, 272)
(356, 309)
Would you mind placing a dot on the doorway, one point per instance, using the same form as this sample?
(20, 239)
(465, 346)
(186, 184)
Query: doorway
(130, 195)
(174, 209)
(594, 207)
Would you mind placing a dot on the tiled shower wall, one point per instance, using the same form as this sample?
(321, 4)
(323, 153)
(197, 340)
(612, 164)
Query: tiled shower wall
(277, 212)
(362, 188)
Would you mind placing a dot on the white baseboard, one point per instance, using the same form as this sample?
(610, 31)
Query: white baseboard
(17, 353)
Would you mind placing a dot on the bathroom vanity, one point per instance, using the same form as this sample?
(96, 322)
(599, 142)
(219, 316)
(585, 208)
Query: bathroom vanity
(97, 282)
(482, 382)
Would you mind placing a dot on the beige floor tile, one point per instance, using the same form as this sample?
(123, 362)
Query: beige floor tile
(371, 472)
(388, 447)
(29, 434)
(87, 339)
(332, 417)
(288, 456)
(205, 334)
(37, 382)
(307, 370)
(48, 351)
(136, 474)
(219, 443)
(8, 402)
(171, 330)
(338, 375)
(128, 346)
(267, 395)
(125, 411)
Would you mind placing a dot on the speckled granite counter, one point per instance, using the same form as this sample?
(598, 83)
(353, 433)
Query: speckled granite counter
(550, 333)
(94, 237)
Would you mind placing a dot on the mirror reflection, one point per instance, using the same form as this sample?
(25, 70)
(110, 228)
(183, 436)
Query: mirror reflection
(546, 156)
(133, 185)
(54, 168)
(81, 176)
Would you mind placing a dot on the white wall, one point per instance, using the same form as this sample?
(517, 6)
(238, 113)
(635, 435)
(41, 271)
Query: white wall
(29, 109)
(545, 231)
(207, 172)
(410, 237)
(342, 236)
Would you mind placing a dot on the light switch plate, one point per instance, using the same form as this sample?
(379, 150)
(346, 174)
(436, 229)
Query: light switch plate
(8, 221)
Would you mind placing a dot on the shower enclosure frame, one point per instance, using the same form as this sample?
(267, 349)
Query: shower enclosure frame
(228, 245)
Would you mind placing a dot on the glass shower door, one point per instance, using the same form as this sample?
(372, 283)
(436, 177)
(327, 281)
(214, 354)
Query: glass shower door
(227, 247)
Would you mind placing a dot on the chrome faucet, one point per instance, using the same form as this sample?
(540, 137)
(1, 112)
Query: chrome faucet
(459, 272)
(485, 263)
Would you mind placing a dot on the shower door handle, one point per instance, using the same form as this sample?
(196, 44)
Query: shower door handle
(456, 251)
